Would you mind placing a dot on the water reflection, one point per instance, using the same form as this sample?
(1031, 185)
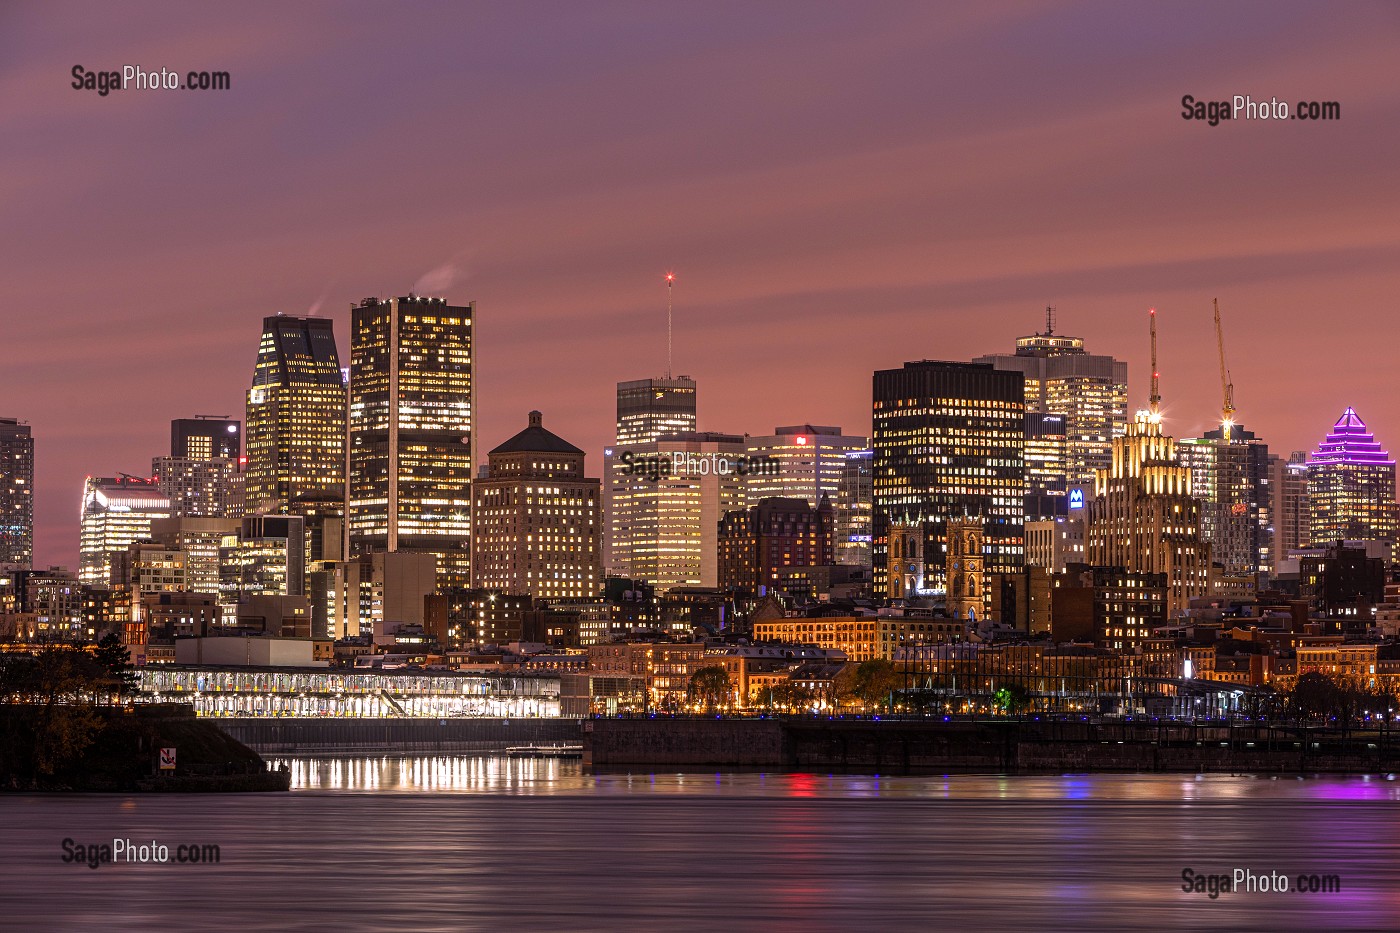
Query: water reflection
(494, 843)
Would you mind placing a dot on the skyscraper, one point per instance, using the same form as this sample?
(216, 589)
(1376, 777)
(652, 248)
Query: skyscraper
(1288, 494)
(647, 410)
(16, 493)
(851, 510)
(411, 438)
(1047, 450)
(201, 475)
(538, 519)
(1351, 485)
(205, 437)
(651, 408)
(949, 441)
(1143, 518)
(116, 512)
(296, 416)
(1090, 391)
(1230, 480)
(668, 496)
(801, 461)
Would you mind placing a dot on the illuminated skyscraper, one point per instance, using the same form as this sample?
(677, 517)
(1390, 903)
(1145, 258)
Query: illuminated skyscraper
(16, 493)
(1046, 453)
(538, 519)
(1351, 486)
(1143, 518)
(1091, 392)
(117, 511)
(668, 497)
(800, 461)
(1288, 496)
(296, 416)
(648, 409)
(201, 475)
(851, 509)
(949, 441)
(411, 438)
(1230, 480)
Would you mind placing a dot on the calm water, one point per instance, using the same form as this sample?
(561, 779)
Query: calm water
(475, 843)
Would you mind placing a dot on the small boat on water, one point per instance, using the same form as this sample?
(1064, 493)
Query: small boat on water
(545, 751)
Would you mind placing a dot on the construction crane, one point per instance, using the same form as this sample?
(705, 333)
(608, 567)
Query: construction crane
(1227, 408)
(1154, 401)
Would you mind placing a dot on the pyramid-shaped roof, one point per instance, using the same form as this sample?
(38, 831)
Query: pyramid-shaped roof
(536, 440)
(1350, 442)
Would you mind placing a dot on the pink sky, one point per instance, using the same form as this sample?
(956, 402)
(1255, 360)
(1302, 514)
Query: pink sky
(839, 188)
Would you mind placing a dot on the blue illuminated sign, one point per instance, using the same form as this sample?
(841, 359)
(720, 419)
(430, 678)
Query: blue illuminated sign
(1076, 498)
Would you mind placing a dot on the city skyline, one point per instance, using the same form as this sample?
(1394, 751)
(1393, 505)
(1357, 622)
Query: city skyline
(794, 206)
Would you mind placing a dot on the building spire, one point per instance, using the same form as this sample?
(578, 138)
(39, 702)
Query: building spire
(1154, 400)
(670, 281)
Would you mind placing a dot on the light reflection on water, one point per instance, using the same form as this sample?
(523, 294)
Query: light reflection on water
(493, 843)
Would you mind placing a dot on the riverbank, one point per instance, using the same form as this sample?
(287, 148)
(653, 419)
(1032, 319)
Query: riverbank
(120, 750)
(1005, 747)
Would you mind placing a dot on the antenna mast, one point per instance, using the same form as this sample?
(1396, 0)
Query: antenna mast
(670, 281)
(1227, 408)
(1154, 401)
(1049, 321)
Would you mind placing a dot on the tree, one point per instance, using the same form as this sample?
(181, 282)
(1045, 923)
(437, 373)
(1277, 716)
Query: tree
(711, 686)
(1315, 695)
(115, 660)
(784, 696)
(874, 682)
(1011, 698)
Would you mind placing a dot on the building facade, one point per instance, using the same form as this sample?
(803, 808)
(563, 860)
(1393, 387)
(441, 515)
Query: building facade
(1230, 479)
(16, 493)
(1351, 486)
(1288, 504)
(801, 461)
(1090, 392)
(949, 442)
(411, 430)
(769, 536)
(667, 497)
(538, 521)
(295, 416)
(116, 512)
(1143, 518)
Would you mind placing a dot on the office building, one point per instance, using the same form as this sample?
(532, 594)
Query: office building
(16, 493)
(200, 540)
(265, 558)
(649, 409)
(1351, 486)
(851, 510)
(1288, 498)
(949, 441)
(295, 417)
(411, 431)
(1047, 466)
(116, 512)
(801, 461)
(538, 521)
(1089, 391)
(205, 437)
(668, 496)
(1143, 518)
(1230, 480)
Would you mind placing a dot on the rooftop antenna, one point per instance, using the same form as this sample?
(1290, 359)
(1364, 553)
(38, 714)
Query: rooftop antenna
(670, 281)
(1049, 321)
(1154, 401)
(1227, 408)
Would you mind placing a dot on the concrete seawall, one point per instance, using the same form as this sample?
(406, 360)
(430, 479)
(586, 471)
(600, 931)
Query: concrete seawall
(921, 746)
(395, 736)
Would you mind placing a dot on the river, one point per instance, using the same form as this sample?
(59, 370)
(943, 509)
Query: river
(490, 843)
